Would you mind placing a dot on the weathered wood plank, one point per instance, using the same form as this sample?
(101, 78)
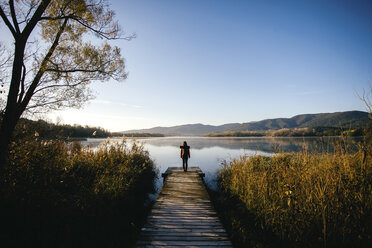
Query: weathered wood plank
(182, 238)
(205, 233)
(179, 230)
(195, 217)
(170, 227)
(188, 246)
(182, 225)
(185, 243)
(183, 215)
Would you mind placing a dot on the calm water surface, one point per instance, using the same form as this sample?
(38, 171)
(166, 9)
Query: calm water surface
(209, 153)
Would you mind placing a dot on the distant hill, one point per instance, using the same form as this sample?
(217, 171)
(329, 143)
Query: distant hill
(189, 129)
(345, 120)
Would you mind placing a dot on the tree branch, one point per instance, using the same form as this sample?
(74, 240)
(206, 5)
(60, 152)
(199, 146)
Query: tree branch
(56, 85)
(55, 18)
(42, 69)
(94, 30)
(46, 103)
(7, 22)
(35, 18)
(104, 34)
(32, 7)
(365, 98)
(75, 70)
(14, 18)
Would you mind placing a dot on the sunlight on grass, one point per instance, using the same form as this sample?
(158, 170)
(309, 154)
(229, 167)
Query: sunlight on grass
(310, 199)
(72, 195)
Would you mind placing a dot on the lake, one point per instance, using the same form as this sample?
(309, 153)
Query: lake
(208, 153)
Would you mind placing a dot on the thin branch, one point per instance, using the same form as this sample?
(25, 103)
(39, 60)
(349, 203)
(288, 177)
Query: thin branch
(57, 85)
(32, 7)
(7, 59)
(94, 30)
(365, 98)
(75, 70)
(105, 34)
(55, 18)
(46, 103)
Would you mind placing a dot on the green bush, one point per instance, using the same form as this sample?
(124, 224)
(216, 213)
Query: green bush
(302, 199)
(60, 195)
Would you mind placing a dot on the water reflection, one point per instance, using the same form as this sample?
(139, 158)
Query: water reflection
(265, 144)
(208, 153)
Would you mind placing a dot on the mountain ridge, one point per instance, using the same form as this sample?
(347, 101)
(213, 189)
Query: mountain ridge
(346, 120)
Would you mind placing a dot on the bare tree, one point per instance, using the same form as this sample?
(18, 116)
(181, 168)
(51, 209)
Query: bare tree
(365, 98)
(53, 61)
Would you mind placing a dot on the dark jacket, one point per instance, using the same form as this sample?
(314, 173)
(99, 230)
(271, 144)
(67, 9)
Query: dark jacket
(185, 151)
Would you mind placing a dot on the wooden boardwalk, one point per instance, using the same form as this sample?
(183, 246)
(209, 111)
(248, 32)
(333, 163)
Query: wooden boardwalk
(182, 215)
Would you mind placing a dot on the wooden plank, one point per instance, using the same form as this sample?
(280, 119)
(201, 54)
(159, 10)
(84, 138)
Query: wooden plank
(193, 229)
(188, 234)
(182, 238)
(175, 224)
(181, 229)
(169, 227)
(183, 215)
(184, 218)
(185, 243)
(188, 246)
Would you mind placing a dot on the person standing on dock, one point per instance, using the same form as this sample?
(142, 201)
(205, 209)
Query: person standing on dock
(185, 155)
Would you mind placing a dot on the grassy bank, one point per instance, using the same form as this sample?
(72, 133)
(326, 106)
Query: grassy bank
(58, 195)
(301, 199)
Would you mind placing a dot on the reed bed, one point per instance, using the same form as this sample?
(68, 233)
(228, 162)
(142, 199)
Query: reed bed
(55, 194)
(304, 199)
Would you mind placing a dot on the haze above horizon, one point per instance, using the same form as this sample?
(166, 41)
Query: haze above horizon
(218, 62)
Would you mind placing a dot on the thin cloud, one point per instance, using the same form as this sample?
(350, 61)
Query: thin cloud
(305, 93)
(117, 103)
(115, 117)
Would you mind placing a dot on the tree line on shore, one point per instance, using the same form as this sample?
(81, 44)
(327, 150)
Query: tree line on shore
(295, 132)
(47, 130)
(51, 131)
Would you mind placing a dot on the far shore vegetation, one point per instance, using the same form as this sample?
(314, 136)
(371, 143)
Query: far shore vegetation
(295, 132)
(138, 135)
(52, 131)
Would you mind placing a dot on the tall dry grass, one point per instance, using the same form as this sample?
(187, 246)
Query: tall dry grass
(57, 195)
(307, 199)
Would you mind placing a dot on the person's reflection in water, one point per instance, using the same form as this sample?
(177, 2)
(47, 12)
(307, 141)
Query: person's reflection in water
(185, 155)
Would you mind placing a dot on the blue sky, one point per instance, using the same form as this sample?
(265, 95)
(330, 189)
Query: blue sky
(217, 62)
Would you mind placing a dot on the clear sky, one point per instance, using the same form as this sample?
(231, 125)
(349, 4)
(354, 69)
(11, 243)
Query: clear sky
(217, 62)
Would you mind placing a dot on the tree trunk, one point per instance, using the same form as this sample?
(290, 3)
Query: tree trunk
(12, 113)
(6, 132)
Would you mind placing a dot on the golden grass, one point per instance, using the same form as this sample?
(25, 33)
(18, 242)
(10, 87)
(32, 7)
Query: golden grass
(55, 194)
(311, 199)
